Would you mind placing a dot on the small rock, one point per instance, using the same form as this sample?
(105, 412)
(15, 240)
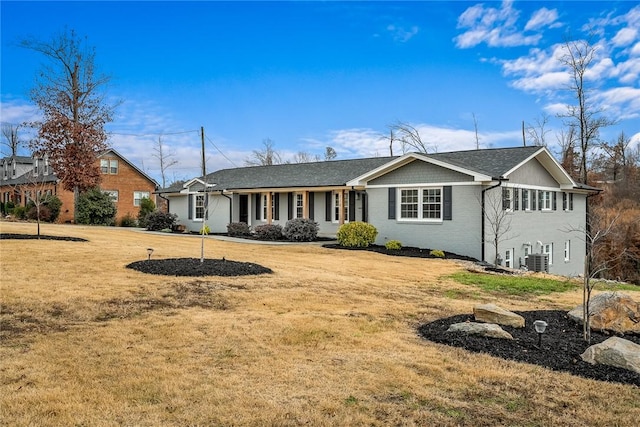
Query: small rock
(491, 313)
(614, 351)
(490, 330)
(611, 311)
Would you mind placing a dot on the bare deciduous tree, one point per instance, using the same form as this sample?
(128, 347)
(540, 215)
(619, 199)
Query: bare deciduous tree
(330, 153)
(537, 132)
(265, 157)
(11, 139)
(304, 157)
(166, 159)
(68, 91)
(584, 115)
(497, 217)
(409, 138)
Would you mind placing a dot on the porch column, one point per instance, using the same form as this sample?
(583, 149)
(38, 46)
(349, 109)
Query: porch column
(269, 208)
(305, 205)
(341, 208)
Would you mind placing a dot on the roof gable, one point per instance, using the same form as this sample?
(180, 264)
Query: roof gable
(124, 159)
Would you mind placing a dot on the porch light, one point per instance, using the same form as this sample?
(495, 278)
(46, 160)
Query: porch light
(149, 252)
(540, 326)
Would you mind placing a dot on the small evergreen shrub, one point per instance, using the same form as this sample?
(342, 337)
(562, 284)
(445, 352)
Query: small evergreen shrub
(393, 245)
(357, 234)
(158, 220)
(96, 208)
(19, 212)
(146, 207)
(301, 230)
(238, 229)
(437, 253)
(205, 230)
(54, 204)
(268, 232)
(128, 221)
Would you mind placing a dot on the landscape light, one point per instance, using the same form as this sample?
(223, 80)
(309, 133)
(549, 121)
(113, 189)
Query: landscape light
(540, 326)
(149, 252)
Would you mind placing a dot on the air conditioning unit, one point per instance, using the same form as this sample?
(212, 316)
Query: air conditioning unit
(538, 262)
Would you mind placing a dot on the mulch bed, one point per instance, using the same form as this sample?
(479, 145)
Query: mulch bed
(562, 344)
(192, 267)
(407, 251)
(12, 236)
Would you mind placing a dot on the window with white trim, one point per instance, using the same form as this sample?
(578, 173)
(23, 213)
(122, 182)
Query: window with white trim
(139, 195)
(507, 201)
(336, 206)
(527, 251)
(567, 250)
(508, 258)
(113, 166)
(421, 204)
(265, 204)
(299, 201)
(548, 249)
(567, 201)
(112, 193)
(526, 200)
(35, 166)
(46, 166)
(104, 166)
(545, 199)
(198, 207)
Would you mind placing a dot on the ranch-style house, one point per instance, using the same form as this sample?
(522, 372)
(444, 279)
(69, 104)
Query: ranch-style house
(456, 201)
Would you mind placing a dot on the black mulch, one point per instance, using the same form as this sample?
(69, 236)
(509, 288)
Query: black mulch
(407, 251)
(13, 236)
(194, 268)
(562, 345)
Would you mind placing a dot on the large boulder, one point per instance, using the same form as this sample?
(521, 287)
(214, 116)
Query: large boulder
(490, 330)
(491, 313)
(614, 352)
(611, 311)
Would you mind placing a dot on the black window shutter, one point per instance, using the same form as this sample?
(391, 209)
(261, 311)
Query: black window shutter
(504, 199)
(352, 205)
(516, 199)
(290, 205)
(570, 201)
(258, 208)
(392, 203)
(275, 199)
(533, 200)
(555, 202)
(190, 206)
(311, 205)
(206, 206)
(539, 200)
(363, 197)
(447, 214)
(525, 198)
(327, 206)
(564, 201)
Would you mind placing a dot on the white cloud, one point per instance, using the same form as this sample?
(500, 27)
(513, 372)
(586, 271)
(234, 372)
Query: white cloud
(542, 18)
(497, 27)
(17, 111)
(625, 37)
(402, 35)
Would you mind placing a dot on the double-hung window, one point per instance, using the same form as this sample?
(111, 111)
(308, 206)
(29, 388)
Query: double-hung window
(336, 206)
(138, 196)
(421, 204)
(112, 193)
(548, 249)
(299, 200)
(545, 200)
(567, 250)
(506, 199)
(526, 200)
(199, 206)
(104, 166)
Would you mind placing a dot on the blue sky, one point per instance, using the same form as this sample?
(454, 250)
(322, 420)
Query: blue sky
(308, 75)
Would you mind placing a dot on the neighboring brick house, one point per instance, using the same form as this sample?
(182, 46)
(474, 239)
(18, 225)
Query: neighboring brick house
(126, 183)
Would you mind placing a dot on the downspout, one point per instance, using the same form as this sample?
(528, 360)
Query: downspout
(166, 200)
(230, 206)
(500, 179)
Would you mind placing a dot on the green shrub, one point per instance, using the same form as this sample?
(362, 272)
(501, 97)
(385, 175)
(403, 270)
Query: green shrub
(146, 207)
(128, 221)
(301, 230)
(19, 212)
(437, 253)
(357, 234)
(32, 212)
(8, 207)
(238, 229)
(158, 220)
(49, 209)
(96, 208)
(393, 245)
(269, 232)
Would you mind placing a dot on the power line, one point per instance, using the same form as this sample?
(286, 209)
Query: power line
(220, 151)
(153, 134)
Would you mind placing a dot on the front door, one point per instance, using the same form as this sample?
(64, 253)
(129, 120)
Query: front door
(244, 208)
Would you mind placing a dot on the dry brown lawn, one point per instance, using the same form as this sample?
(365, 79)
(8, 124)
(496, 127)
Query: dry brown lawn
(328, 339)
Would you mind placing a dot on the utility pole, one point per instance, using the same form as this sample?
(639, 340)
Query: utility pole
(524, 140)
(204, 164)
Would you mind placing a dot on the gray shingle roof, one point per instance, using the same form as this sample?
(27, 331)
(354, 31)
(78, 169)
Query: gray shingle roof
(493, 162)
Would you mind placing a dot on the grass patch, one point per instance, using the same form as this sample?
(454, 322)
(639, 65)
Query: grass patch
(615, 287)
(512, 285)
